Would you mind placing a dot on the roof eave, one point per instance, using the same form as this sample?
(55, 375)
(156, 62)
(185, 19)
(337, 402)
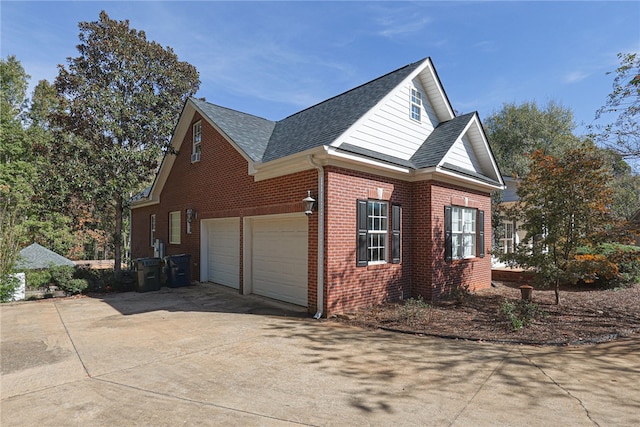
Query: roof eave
(438, 173)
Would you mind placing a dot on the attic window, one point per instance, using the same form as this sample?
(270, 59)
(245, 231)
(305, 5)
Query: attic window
(197, 140)
(416, 104)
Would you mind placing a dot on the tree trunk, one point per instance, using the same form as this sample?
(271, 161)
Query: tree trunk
(556, 289)
(117, 239)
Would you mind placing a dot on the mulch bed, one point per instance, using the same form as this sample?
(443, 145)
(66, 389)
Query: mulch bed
(585, 315)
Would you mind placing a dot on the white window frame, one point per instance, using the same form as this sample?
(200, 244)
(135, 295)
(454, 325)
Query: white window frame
(152, 228)
(463, 232)
(175, 221)
(196, 146)
(377, 231)
(416, 105)
(508, 241)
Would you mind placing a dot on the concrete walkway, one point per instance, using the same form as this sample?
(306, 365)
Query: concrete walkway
(205, 356)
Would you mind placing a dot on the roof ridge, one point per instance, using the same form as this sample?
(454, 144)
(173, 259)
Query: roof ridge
(198, 100)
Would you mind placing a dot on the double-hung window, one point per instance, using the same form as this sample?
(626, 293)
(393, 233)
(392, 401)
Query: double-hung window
(152, 228)
(464, 232)
(174, 227)
(416, 104)
(507, 241)
(377, 219)
(373, 240)
(197, 142)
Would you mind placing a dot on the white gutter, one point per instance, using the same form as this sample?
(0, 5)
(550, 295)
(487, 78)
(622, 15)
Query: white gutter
(320, 267)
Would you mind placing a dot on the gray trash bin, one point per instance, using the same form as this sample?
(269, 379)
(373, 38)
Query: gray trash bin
(148, 274)
(178, 270)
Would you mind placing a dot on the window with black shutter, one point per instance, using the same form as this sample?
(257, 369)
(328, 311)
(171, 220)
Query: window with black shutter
(373, 232)
(463, 232)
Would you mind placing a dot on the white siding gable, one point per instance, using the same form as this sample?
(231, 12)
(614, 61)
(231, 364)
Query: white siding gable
(471, 152)
(463, 156)
(389, 128)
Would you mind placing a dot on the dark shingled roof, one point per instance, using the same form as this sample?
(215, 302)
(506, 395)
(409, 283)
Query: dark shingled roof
(250, 133)
(265, 140)
(440, 141)
(323, 123)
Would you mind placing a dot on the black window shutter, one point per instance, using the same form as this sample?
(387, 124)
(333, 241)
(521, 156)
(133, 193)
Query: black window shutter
(395, 234)
(448, 250)
(480, 234)
(361, 252)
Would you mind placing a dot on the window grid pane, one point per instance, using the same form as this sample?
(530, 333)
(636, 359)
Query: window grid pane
(416, 104)
(152, 231)
(377, 231)
(463, 229)
(174, 227)
(197, 137)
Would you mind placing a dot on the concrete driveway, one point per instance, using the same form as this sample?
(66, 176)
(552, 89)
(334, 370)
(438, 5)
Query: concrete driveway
(204, 355)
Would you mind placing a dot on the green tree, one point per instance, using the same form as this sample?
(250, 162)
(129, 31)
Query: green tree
(564, 205)
(62, 215)
(518, 130)
(16, 173)
(121, 98)
(622, 134)
(625, 186)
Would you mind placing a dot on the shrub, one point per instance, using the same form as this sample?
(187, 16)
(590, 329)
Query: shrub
(593, 268)
(520, 313)
(413, 311)
(8, 286)
(61, 274)
(459, 293)
(37, 279)
(74, 286)
(97, 280)
(598, 262)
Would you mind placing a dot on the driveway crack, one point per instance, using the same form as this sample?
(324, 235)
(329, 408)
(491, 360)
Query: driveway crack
(464, 408)
(75, 349)
(200, 402)
(565, 390)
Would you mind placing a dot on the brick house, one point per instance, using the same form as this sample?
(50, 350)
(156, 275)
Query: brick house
(401, 188)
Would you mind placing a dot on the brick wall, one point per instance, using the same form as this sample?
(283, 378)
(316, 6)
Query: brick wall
(350, 286)
(444, 277)
(217, 187)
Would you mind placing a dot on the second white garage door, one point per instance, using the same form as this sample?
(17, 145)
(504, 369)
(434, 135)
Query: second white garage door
(279, 258)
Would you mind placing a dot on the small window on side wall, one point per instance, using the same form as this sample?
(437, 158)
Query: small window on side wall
(197, 142)
(152, 228)
(416, 105)
(174, 227)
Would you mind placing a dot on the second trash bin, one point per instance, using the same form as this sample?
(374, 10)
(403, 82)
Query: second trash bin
(148, 274)
(178, 270)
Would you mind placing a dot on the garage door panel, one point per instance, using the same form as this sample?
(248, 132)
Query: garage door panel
(279, 259)
(223, 261)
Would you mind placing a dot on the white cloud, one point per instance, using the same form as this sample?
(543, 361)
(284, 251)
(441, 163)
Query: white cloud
(575, 76)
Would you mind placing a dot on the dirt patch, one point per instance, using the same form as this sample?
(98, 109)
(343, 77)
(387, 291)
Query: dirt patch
(584, 316)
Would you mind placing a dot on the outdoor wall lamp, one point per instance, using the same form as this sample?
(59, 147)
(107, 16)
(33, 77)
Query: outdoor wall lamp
(191, 215)
(308, 202)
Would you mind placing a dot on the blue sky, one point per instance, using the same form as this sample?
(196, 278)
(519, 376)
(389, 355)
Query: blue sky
(273, 59)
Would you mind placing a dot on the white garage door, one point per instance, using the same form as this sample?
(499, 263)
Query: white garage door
(279, 259)
(223, 254)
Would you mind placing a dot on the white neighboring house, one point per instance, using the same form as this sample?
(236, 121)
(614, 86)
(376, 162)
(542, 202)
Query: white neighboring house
(513, 232)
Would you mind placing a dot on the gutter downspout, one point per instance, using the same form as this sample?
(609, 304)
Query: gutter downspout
(320, 267)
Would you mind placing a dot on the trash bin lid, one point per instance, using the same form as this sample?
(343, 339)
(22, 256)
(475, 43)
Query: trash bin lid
(148, 262)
